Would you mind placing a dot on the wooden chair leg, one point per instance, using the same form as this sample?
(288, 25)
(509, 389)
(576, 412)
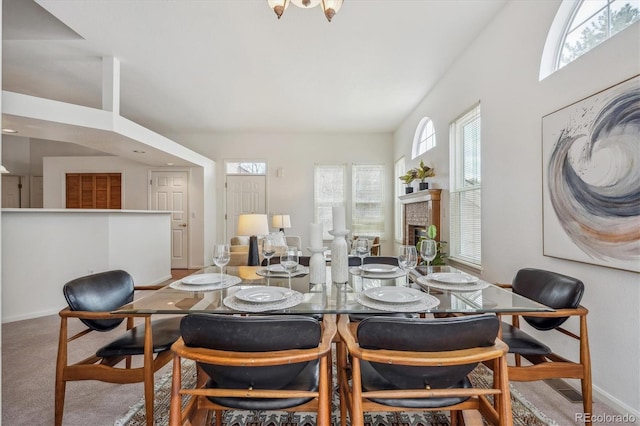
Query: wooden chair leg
(472, 418)
(61, 364)
(218, 417)
(454, 418)
(175, 410)
(148, 371)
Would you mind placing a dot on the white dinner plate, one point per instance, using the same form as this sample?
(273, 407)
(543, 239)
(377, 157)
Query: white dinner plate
(201, 279)
(452, 278)
(279, 269)
(379, 268)
(263, 294)
(394, 294)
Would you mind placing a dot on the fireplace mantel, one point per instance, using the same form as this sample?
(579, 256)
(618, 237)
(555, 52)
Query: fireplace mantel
(420, 196)
(420, 210)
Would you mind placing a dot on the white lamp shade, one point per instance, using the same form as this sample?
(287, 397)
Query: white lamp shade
(281, 221)
(253, 224)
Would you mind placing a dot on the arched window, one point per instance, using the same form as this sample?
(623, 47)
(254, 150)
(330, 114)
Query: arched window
(581, 25)
(425, 137)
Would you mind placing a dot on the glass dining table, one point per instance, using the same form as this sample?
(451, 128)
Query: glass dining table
(385, 289)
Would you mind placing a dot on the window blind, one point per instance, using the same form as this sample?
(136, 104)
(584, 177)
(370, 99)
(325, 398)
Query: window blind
(466, 188)
(367, 206)
(329, 191)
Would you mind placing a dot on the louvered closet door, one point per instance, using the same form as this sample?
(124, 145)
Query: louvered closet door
(94, 191)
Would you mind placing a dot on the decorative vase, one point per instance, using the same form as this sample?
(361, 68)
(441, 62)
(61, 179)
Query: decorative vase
(424, 185)
(339, 257)
(317, 265)
(408, 189)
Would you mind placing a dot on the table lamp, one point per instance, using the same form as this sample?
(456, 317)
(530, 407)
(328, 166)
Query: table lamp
(252, 225)
(281, 221)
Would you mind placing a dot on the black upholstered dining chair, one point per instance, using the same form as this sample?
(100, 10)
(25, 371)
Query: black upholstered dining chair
(387, 260)
(562, 293)
(302, 261)
(91, 300)
(419, 364)
(270, 362)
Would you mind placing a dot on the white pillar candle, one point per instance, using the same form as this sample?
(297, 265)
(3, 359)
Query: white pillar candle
(339, 223)
(316, 235)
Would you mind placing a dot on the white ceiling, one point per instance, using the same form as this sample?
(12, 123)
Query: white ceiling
(231, 66)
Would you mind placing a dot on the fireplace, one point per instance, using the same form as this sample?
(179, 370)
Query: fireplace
(420, 210)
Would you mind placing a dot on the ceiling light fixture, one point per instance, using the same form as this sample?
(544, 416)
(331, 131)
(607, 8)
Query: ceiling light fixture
(329, 7)
(6, 130)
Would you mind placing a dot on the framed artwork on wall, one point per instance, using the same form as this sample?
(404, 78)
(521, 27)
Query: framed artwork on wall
(591, 179)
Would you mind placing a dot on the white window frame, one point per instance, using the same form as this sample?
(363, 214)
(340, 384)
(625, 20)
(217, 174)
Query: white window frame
(562, 24)
(377, 196)
(398, 188)
(424, 138)
(465, 245)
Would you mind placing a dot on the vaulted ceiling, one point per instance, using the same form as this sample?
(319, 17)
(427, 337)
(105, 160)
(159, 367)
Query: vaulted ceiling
(231, 66)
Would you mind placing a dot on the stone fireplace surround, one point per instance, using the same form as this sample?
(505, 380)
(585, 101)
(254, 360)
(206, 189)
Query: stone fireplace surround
(420, 210)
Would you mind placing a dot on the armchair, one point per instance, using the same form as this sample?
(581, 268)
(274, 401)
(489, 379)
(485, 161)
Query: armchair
(563, 294)
(257, 362)
(401, 364)
(91, 300)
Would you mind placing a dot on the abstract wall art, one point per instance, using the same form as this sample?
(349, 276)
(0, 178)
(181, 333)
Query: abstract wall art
(591, 179)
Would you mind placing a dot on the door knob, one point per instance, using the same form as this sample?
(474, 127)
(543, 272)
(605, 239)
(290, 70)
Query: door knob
(184, 225)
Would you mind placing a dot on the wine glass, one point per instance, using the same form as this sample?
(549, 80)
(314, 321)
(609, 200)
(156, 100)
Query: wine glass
(362, 249)
(408, 259)
(289, 261)
(221, 256)
(268, 249)
(428, 251)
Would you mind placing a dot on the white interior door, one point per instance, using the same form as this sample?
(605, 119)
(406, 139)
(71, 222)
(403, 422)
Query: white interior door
(10, 191)
(245, 194)
(169, 192)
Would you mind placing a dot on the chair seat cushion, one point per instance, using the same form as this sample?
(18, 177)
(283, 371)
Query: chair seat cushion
(165, 333)
(306, 380)
(522, 343)
(373, 381)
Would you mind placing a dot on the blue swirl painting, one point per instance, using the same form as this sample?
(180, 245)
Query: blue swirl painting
(591, 179)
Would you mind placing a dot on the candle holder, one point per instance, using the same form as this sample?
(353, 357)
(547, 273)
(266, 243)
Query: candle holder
(317, 265)
(339, 257)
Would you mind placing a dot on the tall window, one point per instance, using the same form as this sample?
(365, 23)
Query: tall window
(465, 184)
(367, 200)
(329, 191)
(581, 25)
(425, 137)
(399, 190)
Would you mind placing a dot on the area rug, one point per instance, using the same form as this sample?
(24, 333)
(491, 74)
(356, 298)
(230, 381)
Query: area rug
(524, 413)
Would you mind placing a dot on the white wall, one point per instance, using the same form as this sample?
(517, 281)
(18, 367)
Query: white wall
(43, 249)
(135, 191)
(134, 178)
(501, 70)
(296, 154)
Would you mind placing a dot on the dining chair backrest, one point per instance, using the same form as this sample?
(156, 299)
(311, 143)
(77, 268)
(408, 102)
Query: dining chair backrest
(101, 292)
(551, 289)
(387, 260)
(251, 334)
(426, 335)
(302, 260)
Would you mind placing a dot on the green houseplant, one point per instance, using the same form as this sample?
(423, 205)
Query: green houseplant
(423, 172)
(407, 178)
(432, 233)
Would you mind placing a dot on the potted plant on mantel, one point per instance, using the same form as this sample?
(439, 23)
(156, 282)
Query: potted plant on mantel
(423, 172)
(407, 178)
